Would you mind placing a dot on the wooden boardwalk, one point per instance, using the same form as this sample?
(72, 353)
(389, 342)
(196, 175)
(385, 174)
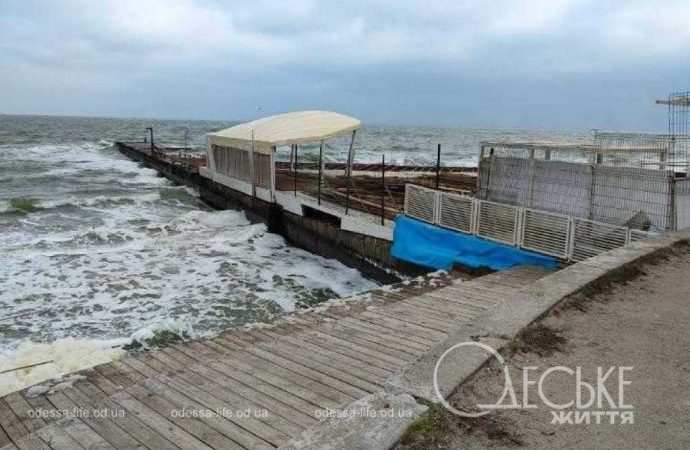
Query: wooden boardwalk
(253, 388)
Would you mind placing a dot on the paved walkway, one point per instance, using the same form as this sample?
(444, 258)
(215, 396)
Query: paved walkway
(255, 388)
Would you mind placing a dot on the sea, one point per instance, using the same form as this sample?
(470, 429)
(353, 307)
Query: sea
(98, 252)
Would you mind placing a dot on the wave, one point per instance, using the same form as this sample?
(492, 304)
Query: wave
(47, 366)
(29, 204)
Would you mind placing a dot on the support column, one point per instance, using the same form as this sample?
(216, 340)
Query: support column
(251, 167)
(273, 174)
(350, 155)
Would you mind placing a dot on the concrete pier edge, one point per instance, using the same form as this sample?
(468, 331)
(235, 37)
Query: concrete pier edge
(412, 388)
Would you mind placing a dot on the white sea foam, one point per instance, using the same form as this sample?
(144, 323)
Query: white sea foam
(32, 363)
(103, 259)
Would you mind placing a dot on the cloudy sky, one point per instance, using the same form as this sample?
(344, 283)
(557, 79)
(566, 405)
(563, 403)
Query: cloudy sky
(493, 63)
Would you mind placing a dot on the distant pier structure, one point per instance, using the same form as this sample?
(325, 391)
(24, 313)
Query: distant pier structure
(300, 173)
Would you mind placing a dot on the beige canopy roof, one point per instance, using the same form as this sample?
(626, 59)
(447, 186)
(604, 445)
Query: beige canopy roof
(284, 129)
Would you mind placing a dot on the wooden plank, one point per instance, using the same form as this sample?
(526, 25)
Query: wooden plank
(105, 384)
(117, 380)
(10, 423)
(384, 323)
(85, 436)
(350, 371)
(413, 318)
(457, 314)
(125, 371)
(57, 438)
(40, 403)
(365, 353)
(224, 400)
(106, 427)
(191, 425)
(219, 423)
(4, 438)
(157, 422)
(467, 304)
(140, 367)
(332, 383)
(288, 358)
(289, 414)
(24, 411)
(386, 337)
(447, 306)
(382, 341)
(127, 421)
(392, 354)
(473, 296)
(285, 417)
(416, 345)
(323, 351)
(449, 317)
(31, 442)
(301, 386)
(418, 330)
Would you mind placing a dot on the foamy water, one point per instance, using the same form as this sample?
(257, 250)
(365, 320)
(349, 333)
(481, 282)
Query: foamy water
(100, 251)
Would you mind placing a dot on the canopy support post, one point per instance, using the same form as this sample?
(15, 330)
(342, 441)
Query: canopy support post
(351, 155)
(273, 173)
(295, 172)
(320, 172)
(383, 189)
(251, 167)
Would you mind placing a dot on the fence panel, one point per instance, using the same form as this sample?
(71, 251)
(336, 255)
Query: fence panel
(589, 238)
(497, 222)
(456, 212)
(546, 233)
(558, 235)
(420, 203)
(632, 196)
(615, 195)
(682, 204)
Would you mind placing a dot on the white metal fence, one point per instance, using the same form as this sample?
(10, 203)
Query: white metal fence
(565, 237)
(615, 195)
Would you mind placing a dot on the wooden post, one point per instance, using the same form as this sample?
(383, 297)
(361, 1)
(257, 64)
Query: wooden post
(251, 167)
(348, 187)
(438, 166)
(295, 172)
(153, 147)
(383, 189)
(320, 171)
(351, 154)
(272, 160)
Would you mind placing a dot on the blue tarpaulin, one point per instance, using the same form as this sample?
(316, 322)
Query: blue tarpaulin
(438, 248)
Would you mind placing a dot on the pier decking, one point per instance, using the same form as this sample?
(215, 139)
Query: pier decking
(255, 388)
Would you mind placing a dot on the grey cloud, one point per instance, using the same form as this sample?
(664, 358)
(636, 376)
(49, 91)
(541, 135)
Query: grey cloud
(514, 63)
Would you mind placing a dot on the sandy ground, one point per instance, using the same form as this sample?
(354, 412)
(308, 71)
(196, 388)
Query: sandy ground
(643, 323)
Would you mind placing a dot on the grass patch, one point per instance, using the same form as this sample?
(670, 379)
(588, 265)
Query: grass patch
(25, 205)
(430, 430)
(439, 428)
